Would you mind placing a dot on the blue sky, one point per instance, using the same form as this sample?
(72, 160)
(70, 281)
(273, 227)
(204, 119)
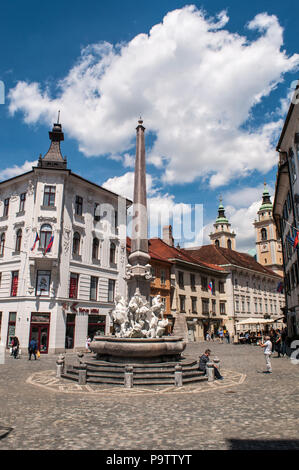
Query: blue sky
(209, 88)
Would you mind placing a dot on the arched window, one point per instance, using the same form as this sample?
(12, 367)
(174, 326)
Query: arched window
(229, 244)
(95, 248)
(264, 234)
(19, 240)
(2, 244)
(76, 243)
(45, 235)
(112, 253)
(216, 242)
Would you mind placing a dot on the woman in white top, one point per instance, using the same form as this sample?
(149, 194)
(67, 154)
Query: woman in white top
(267, 345)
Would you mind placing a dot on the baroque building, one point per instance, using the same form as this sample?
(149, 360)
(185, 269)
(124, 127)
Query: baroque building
(268, 243)
(222, 235)
(62, 257)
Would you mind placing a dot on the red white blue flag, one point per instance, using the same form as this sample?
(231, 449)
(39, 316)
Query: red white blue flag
(50, 244)
(210, 286)
(35, 241)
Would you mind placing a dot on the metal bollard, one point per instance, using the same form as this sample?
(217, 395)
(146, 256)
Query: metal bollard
(128, 378)
(82, 374)
(178, 376)
(210, 371)
(60, 365)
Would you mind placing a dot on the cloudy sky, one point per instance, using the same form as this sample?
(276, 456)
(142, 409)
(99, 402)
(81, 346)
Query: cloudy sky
(212, 81)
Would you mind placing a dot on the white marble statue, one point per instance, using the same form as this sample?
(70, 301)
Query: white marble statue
(138, 319)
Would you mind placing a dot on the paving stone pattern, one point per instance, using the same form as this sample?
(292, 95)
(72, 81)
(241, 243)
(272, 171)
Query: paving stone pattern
(247, 410)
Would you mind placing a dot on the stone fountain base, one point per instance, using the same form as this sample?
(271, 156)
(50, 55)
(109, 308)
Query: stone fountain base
(138, 350)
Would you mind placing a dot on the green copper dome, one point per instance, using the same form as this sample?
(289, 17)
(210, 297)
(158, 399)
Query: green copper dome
(266, 202)
(221, 219)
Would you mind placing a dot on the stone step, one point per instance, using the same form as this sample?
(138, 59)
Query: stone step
(113, 370)
(200, 378)
(114, 365)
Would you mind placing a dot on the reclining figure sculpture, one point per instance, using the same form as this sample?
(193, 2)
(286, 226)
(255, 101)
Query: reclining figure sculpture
(138, 319)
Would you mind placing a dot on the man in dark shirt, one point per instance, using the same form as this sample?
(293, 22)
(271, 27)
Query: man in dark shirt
(32, 349)
(204, 359)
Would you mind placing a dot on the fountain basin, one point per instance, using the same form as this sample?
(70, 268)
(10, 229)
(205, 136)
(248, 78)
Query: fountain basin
(140, 350)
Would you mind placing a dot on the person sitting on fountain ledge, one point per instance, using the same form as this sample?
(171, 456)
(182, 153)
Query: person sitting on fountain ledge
(204, 359)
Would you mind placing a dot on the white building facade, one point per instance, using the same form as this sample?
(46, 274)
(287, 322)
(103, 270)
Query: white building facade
(62, 255)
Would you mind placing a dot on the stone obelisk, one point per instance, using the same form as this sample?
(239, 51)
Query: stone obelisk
(138, 273)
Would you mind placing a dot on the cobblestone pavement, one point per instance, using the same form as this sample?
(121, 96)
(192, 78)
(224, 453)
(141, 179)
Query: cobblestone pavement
(248, 410)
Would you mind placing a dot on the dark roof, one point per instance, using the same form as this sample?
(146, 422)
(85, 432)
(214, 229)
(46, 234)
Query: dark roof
(224, 256)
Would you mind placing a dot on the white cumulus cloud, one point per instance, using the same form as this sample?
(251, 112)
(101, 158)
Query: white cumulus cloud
(195, 84)
(16, 170)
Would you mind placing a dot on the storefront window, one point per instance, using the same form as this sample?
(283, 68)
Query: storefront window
(70, 331)
(96, 325)
(11, 327)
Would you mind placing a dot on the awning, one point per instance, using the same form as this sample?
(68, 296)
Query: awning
(255, 321)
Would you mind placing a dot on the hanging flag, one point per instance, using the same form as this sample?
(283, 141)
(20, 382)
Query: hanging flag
(290, 240)
(210, 286)
(296, 240)
(50, 244)
(35, 241)
(280, 287)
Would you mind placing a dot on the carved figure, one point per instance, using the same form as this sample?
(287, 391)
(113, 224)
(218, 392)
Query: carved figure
(138, 319)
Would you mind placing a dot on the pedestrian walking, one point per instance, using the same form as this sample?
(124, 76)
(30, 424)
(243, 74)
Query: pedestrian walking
(15, 344)
(227, 337)
(283, 336)
(204, 359)
(88, 341)
(267, 345)
(208, 337)
(278, 343)
(221, 336)
(32, 349)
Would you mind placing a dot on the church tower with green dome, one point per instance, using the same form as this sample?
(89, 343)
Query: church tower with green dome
(268, 244)
(222, 235)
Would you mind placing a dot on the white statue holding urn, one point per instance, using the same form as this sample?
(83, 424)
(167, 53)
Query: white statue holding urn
(138, 319)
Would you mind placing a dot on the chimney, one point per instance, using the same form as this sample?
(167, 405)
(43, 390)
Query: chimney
(167, 235)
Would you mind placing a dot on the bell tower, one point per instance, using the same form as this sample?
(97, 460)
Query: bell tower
(222, 235)
(268, 244)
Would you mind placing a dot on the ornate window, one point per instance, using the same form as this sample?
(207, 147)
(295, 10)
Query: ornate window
(112, 252)
(93, 288)
(2, 244)
(22, 202)
(229, 244)
(79, 205)
(264, 234)
(19, 241)
(95, 248)
(45, 235)
(76, 243)
(6, 207)
(49, 196)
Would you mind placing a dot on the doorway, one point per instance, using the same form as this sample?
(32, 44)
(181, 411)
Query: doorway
(39, 330)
